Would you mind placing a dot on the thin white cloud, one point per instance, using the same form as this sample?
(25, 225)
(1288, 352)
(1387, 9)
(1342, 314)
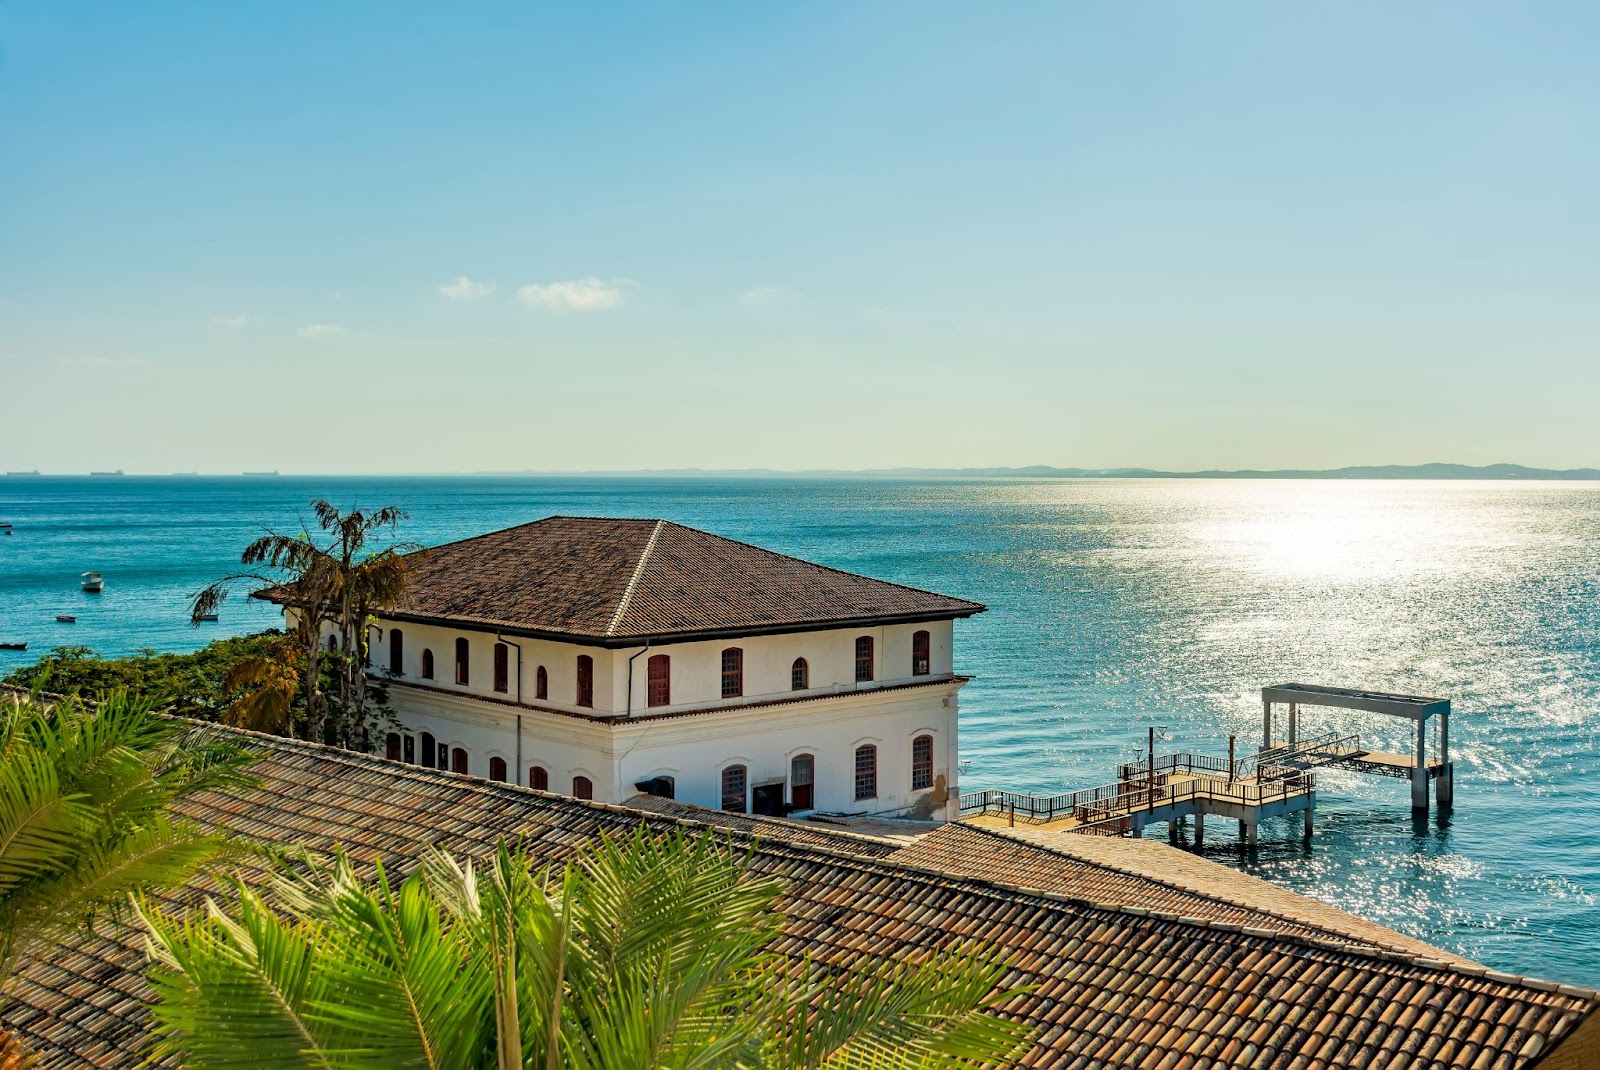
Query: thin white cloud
(575, 295)
(320, 330)
(766, 295)
(465, 289)
(232, 323)
(107, 362)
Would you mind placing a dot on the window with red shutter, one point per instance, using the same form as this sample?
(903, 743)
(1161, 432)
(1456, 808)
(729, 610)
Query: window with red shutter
(921, 663)
(585, 680)
(502, 668)
(863, 659)
(659, 691)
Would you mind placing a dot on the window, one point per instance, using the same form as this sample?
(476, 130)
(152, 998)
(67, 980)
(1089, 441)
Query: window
(458, 760)
(497, 769)
(866, 771)
(863, 659)
(733, 781)
(444, 757)
(391, 747)
(461, 661)
(397, 661)
(541, 684)
(333, 641)
(799, 675)
(585, 680)
(662, 787)
(428, 747)
(409, 750)
(732, 672)
(659, 674)
(582, 787)
(427, 664)
(502, 668)
(538, 778)
(921, 663)
(921, 763)
(802, 774)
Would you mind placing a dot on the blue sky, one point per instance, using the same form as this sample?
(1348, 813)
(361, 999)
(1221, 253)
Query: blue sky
(390, 237)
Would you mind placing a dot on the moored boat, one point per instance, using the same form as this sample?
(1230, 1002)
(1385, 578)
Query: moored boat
(93, 583)
(13, 646)
(63, 618)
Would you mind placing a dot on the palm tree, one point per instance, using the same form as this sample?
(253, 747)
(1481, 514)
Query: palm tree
(85, 794)
(649, 952)
(332, 584)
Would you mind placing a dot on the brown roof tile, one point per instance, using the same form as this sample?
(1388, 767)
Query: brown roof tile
(618, 581)
(1114, 986)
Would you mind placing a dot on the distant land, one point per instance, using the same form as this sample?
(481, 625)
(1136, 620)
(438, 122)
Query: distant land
(1036, 471)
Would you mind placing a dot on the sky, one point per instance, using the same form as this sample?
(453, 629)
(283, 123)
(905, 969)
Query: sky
(434, 238)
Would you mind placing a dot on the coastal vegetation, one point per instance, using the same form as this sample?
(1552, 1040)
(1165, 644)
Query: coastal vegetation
(327, 587)
(644, 952)
(85, 800)
(189, 685)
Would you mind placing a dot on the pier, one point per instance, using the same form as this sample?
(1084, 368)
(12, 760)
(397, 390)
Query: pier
(1279, 780)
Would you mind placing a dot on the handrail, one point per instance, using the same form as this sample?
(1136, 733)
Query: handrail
(1115, 802)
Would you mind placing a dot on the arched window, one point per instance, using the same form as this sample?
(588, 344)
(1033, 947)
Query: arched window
(585, 680)
(461, 661)
(866, 771)
(397, 660)
(659, 675)
(802, 774)
(921, 763)
(427, 664)
(662, 787)
(428, 747)
(921, 662)
(391, 746)
(863, 659)
(497, 769)
(502, 668)
(408, 750)
(582, 787)
(538, 778)
(733, 782)
(333, 640)
(541, 684)
(732, 672)
(799, 675)
(458, 760)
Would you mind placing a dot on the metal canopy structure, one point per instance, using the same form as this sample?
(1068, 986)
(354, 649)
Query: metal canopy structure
(1415, 708)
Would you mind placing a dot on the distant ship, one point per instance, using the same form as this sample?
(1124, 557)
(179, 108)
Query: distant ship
(118, 472)
(32, 473)
(186, 473)
(260, 473)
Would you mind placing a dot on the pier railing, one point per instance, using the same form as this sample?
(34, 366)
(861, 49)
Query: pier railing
(1092, 808)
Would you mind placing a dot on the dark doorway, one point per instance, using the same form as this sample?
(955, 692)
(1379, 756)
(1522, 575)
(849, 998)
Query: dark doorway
(767, 799)
(661, 786)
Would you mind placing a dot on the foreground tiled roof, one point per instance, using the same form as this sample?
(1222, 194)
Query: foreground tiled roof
(1140, 873)
(1111, 985)
(620, 581)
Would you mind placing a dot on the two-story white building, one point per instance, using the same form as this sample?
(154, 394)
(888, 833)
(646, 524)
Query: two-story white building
(602, 658)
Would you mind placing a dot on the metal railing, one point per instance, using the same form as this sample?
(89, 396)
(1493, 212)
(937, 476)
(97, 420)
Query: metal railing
(1091, 807)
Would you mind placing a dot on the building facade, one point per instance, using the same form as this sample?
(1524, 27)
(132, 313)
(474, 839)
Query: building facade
(604, 658)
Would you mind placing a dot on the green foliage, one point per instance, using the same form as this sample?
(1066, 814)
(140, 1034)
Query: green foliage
(85, 798)
(191, 685)
(652, 952)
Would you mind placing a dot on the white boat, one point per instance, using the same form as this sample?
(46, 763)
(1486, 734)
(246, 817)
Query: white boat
(93, 583)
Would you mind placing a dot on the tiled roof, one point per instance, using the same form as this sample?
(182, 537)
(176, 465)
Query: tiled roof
(1142, 873)
(1112, 985)
(622, 581)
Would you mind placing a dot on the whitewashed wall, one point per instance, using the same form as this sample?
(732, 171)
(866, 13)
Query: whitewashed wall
(693, 750)
(696, 667)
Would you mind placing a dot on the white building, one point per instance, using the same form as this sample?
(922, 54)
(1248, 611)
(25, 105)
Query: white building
(602, 658)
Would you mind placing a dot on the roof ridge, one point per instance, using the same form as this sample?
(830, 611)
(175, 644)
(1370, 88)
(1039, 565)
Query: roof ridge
(828, 568)
(633, 581)
(1196, 889)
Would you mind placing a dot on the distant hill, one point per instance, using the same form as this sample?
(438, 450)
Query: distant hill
(1044, 471)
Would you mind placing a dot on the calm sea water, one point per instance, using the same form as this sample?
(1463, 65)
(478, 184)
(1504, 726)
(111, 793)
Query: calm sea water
(1114, 605)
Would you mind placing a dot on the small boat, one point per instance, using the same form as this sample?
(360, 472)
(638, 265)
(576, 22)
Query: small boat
(62, 618)
(13, 646)
(212, 617)
(92, 583)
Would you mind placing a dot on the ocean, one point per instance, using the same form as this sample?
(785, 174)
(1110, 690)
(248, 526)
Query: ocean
(1115, 605)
